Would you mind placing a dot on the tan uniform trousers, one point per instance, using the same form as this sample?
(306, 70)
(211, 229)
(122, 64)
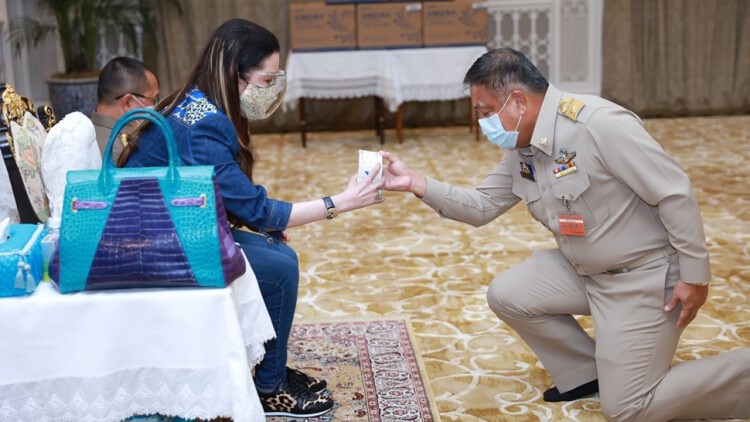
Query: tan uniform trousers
(635, 340)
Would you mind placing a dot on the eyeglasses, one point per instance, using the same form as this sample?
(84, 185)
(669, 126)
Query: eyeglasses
(153, 100)
(274, 78)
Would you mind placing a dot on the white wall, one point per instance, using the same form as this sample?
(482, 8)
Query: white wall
(27, 71)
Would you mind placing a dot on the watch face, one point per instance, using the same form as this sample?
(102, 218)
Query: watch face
(331, 213)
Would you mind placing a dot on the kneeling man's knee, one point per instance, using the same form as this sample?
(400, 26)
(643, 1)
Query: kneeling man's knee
(616, 409)
(501, 296)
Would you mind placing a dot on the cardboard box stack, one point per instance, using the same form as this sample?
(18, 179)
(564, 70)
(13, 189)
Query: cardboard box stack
(319, 26)
(356, 1)
(372, 24)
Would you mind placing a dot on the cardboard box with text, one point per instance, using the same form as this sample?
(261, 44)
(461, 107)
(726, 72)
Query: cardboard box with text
(389, 25)
(321, 27)
(457, 22)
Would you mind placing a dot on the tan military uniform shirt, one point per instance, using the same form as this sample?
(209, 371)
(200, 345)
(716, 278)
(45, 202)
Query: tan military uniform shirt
(632, 196)
(103, 126)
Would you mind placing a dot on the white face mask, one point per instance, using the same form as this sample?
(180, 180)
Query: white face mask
(259, 102)
(151, 107)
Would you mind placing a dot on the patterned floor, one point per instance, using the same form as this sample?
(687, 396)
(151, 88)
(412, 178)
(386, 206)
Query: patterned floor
(399, 258)
(373, 372)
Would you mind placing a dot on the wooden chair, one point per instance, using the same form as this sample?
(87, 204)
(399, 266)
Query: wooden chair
(14, 107)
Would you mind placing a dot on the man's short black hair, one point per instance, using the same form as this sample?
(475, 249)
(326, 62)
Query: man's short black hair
(120, 76)
(506, 69)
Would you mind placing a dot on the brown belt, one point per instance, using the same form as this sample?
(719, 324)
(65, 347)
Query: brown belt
(645, 259)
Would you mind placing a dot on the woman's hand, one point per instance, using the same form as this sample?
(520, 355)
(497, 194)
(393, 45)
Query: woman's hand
(356, 195)
(398, 176)
(360, 194)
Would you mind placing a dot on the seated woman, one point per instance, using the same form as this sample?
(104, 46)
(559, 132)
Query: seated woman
(236, 80)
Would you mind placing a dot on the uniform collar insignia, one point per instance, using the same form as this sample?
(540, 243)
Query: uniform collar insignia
(543, 137)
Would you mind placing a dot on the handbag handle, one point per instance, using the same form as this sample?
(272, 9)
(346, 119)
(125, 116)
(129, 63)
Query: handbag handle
(105, 177)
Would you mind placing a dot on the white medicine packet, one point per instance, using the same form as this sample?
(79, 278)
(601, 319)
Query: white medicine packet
(367, 160)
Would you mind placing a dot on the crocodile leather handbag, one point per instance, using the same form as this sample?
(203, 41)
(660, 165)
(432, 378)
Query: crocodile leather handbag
(144, 227)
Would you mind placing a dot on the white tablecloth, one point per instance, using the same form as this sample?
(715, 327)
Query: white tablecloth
(104, 356)
(397, 76)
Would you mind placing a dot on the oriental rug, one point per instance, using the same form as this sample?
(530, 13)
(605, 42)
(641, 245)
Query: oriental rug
(371, 366)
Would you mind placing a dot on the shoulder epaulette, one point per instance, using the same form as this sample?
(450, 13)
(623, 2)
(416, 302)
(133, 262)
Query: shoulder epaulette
(570, 107)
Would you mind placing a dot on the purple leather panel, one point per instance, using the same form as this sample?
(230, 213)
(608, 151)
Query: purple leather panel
(232, 261)
(139, 246)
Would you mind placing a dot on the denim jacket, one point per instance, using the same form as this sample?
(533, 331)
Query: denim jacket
(206, 136)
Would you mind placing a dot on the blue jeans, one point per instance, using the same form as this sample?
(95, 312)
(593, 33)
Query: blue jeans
(277, 269)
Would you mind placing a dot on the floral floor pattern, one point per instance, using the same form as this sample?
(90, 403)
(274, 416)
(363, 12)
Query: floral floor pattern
(371, 368)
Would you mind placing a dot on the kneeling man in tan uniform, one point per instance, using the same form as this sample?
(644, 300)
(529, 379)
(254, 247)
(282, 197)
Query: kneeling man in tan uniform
(631, 247)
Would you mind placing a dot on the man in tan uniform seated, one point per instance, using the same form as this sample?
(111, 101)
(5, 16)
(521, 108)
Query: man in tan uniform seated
(124, 84)
(631, 247)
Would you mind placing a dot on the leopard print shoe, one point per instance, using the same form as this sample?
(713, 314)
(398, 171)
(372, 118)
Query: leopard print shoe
(293, 399)
(316, 385)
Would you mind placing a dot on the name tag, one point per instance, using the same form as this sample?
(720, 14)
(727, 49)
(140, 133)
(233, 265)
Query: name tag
(571, 224)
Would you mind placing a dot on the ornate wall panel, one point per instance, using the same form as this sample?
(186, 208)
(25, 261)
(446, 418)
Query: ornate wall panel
(562, 37)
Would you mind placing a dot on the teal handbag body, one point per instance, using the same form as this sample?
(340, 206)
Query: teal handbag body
(144, 227)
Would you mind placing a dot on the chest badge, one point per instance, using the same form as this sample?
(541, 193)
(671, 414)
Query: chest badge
(527, 170)
(567, 166)
(565, 157)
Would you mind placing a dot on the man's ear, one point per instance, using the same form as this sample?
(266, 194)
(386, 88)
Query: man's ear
(521, 101)
(124, 104)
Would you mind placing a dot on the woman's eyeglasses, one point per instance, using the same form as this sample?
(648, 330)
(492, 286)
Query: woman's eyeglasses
(274, 78)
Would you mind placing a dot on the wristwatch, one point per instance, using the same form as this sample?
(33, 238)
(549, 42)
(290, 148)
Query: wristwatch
(331, 211)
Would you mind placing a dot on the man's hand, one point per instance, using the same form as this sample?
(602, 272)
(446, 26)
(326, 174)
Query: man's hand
(398, 176)
(691, 297)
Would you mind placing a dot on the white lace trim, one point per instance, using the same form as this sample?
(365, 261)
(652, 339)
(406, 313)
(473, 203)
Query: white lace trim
(254, 334)
(203, 393)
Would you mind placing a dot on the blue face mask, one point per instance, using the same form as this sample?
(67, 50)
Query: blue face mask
(493, 129)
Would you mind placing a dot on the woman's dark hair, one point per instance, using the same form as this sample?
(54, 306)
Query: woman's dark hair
(235, 47)
(506, 69)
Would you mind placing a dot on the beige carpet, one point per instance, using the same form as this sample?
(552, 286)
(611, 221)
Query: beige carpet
(400, 258)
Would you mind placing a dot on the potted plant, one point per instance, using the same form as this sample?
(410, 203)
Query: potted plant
(77, 25)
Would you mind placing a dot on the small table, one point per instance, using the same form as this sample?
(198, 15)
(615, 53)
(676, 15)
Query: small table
(108, 355)
(391, 76)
